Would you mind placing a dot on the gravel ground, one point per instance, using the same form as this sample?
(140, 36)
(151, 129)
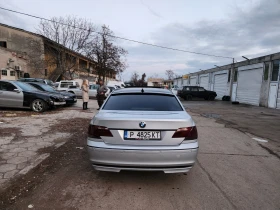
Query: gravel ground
(27, 138)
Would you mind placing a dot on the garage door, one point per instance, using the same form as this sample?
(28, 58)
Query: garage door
(204, 82)
(220, 85)
(185, 82)
(249, 86)
(193, 81)
(278, 98)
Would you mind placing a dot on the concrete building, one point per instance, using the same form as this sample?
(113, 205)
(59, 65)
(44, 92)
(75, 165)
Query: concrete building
(254, 81)
(12, 64)
(26, 52)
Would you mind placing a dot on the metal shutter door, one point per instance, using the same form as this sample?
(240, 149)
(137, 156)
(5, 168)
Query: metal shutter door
(249, 86)
(193, 81)
(278, 97)
(185, 82)
(204, 82)
(220, 85)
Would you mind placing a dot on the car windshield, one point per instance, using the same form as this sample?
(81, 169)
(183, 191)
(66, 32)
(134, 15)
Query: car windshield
(143, 102)
(25, 86)
(48, 88)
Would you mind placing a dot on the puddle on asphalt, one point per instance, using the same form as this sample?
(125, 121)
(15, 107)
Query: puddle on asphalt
(211, 115)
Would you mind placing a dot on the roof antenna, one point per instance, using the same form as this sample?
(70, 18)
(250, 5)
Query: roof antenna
(142, 91)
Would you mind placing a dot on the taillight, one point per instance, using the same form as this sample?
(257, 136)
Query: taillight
(95, 131)
(189, 133)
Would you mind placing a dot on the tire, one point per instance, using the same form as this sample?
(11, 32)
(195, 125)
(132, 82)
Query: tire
(211, 97)
(38, 105)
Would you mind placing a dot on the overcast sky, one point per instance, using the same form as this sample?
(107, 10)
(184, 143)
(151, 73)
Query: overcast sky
(230, 28)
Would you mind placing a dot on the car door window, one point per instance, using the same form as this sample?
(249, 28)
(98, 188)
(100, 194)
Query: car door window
(6, 86)
(194, 89)
(201, 89)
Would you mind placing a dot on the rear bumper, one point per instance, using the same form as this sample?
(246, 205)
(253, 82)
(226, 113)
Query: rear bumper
(168, 160)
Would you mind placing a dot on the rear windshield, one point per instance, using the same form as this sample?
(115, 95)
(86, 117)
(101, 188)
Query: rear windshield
(143, 102)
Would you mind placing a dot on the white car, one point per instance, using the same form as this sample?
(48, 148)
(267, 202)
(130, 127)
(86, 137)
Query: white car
(116, 83)
(65, 84)
(174, 89)
(78, 91)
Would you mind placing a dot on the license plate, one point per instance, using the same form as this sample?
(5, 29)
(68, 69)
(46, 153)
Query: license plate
(142, 135)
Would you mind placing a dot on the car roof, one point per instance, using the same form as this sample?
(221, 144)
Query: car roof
(31, 79)
(38, 83)
(145, 89)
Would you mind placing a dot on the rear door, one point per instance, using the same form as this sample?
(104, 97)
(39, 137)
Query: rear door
(9, 97)
(194, 91)
(201, 92)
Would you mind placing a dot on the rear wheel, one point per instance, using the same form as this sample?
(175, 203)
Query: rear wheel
(188, 97)
(38, 105)
(211, 97)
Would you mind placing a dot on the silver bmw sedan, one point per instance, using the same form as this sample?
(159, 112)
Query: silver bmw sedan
(142, 129)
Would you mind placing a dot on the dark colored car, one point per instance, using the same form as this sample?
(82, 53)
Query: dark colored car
(44, 81)
(190, 92)
(70, 98)
(17, 94)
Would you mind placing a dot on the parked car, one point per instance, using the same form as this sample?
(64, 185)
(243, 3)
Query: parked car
(179, 91)
(114, 83)
(142, 129)
(17, 94)
(190, 92)
(78, 91)
(112, 88)
(70, 98)
(45, 81)
(174, 89)
(65, 84)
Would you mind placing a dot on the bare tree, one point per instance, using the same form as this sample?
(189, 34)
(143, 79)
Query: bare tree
(134, 78)
(170, 74)
(72, 35)
(108, 56)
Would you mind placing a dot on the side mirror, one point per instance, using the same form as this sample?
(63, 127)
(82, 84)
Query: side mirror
(17, 90)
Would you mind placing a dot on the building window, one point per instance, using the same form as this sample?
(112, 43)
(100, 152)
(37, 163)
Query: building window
(229, 75)
(46, 72)
(275, 71)
(235, 75)
(12, 73)
(266, 70)
(3, 44)
(21, 74)
(4, 73)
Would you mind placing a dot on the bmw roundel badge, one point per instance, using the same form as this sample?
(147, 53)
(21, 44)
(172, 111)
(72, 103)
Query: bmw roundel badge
(142, 124)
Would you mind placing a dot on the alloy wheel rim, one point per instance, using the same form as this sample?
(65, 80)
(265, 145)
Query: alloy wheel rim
(38, 106)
